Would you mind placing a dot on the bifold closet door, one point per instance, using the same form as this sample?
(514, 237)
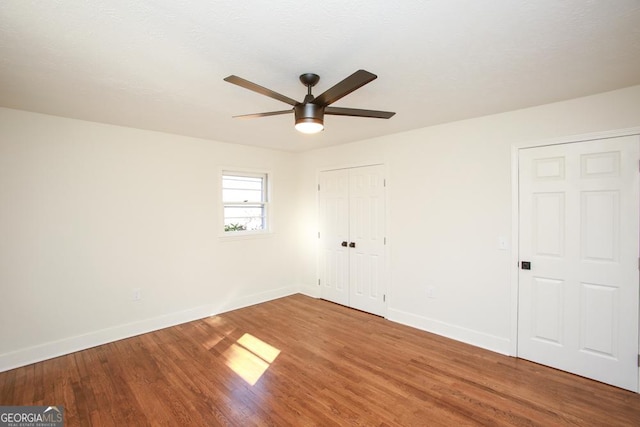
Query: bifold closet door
(352, 256)
(334, 235)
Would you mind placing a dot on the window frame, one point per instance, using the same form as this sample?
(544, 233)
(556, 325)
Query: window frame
(264, 204)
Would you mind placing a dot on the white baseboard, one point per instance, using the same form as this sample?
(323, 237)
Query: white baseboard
(468, 336)
(241, 302)
(310, 290)
(49, 350)
(58, 348)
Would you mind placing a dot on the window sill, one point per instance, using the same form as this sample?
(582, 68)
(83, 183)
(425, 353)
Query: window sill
(238, 235)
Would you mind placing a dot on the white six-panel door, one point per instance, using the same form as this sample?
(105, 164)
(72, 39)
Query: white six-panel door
(366, 232)
(352, 258)
(334, 230)
(579, 214)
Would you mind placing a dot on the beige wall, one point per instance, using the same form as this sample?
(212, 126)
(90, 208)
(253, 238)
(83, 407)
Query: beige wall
(449, 201)
(90, 211)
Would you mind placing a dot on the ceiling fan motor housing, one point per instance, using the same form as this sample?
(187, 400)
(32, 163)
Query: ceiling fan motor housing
(309, 113)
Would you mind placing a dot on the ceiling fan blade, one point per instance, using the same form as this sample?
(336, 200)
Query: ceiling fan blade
(270, 113)
(345, 87)
(261, 90)
(356, 112)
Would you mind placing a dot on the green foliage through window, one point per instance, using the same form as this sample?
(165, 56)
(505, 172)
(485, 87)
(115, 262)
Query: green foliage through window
(234, 227)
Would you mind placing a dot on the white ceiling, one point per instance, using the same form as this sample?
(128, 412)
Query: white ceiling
(159, 64)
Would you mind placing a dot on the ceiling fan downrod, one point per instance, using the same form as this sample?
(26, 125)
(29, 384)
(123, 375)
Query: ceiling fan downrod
(309, 80)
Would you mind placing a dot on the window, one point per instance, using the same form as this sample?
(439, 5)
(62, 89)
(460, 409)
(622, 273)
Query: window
(244, 197)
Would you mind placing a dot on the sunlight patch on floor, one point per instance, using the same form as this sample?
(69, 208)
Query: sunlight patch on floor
(250, 357)
(258, 347)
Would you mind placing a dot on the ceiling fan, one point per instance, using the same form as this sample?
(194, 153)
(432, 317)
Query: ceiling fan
(309, 114)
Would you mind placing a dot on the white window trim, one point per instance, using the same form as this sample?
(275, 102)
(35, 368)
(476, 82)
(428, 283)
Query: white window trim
(247, 234)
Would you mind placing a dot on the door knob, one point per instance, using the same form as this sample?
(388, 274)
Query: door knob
(352, 244)
(344, 244)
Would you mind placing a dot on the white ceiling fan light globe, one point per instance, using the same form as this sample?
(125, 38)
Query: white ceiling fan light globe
(309, 126)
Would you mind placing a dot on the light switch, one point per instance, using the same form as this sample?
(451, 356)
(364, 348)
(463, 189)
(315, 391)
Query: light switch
(503, 245)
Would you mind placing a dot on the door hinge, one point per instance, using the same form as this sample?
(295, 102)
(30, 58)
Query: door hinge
(318, 234)
(318, 282)
(385, 241)
(318, 187)
(384, 298)
(639, 360)
(384, 182)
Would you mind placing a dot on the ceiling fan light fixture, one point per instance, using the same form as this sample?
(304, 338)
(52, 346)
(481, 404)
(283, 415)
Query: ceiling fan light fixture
(309, 118)
(309, 125)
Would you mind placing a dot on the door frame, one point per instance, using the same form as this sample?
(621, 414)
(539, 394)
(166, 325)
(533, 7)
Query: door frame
(515, 212)
(387, 246)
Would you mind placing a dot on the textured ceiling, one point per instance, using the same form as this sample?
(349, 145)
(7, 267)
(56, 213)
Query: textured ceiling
(159, 64)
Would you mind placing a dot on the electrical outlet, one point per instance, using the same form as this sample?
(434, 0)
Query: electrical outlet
(431, 291)
(136, 294)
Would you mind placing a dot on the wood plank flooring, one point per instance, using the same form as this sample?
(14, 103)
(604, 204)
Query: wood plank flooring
(311, 362)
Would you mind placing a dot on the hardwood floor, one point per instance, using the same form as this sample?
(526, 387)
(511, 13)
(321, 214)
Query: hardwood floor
(312, 363)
